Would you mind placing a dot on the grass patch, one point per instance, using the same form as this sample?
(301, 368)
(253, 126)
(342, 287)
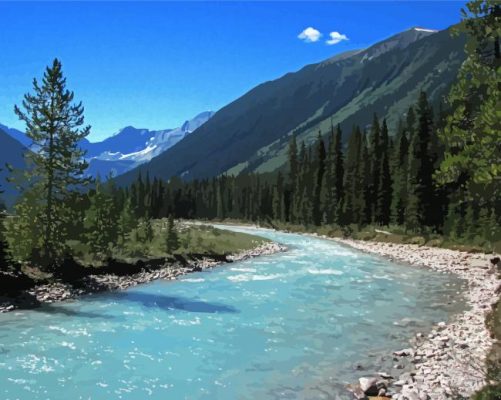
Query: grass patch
(194, 241)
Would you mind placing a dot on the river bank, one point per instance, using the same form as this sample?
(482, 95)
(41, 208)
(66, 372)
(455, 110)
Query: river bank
(61, 291)
(449, 362)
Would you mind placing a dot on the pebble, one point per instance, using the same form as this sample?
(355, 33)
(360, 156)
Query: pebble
(446, 358)
(58, 291)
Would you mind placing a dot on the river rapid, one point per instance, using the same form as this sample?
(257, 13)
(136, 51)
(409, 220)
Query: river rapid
(295, 325)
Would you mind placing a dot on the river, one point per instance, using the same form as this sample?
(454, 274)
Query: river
(295, 325)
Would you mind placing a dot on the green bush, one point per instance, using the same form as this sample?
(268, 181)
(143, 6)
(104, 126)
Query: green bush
(419, 240)
(490, 392)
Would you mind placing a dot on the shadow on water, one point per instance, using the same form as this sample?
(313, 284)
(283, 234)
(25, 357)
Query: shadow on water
(174, 303)
(53, 309)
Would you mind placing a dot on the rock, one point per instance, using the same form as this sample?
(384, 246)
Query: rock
(495, 260)
(357, 391)
(382, 392)
(406, 377)
(403, 353)
(398, 366)
(442, 325)
(384, 375)
(369, 386)
(479, 263)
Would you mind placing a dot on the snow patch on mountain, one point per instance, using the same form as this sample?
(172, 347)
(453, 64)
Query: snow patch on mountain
(425, 30)
(108, 157)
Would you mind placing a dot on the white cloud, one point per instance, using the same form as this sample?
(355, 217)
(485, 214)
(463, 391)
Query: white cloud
(310, 35)
(335, 38)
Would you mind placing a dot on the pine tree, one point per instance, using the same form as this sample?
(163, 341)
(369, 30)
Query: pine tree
(277, 201)
(399, 198)
(126, 221)
(375, 162)
(100, 224)
(101, 230)
(319, 174)
(384, 189)
(365, 182)
(421, 169)
(54, 125)
(4, 261)
(293, 162)
(300, 187)
(171, 238)
(148, 230)
(353, 208)
(338, 163)
(472, 134)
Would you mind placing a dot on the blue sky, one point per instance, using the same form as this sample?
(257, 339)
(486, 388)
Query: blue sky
(155, 64)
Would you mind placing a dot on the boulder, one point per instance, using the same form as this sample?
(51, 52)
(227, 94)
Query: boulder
(369, 386)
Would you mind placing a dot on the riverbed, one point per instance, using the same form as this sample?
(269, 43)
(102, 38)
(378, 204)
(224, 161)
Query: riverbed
(296, 325)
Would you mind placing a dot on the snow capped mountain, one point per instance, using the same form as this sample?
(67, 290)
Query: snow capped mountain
(131, 147)
(127, 148)
(417, 28)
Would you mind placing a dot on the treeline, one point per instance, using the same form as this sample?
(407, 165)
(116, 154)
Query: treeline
(376, 179)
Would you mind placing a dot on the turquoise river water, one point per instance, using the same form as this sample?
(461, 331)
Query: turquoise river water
(295, 325)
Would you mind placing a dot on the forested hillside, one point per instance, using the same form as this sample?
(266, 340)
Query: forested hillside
(251, 134)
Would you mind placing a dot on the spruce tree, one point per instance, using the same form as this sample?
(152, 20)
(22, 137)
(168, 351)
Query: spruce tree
(365, 180)
(338, 164)
(300, 188)
(384, 189)
(319, 174)
(352, 206)
(149, 234)
(399, 197)
(375, 163)
(100, 223)
(54, 125)
(126, 220)
(171, 238)
(421, 187)
(4, 262)
(277, 199)
(293, 162)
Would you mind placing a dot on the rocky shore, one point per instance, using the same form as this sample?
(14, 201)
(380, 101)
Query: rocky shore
(447, 362)
(60, 291)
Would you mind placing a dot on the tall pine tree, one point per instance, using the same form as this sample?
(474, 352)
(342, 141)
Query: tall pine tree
(54, 125)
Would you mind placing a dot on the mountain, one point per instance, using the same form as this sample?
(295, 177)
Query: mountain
(129, 147)
(251, 133)
(12, 154)
(17, 135)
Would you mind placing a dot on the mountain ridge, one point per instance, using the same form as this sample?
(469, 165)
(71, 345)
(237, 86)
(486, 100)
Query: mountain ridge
(126, 148)
(251, 133)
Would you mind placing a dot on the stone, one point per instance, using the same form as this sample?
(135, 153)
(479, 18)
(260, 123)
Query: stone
(406, 377)
(369, 386)
(384, 375)
(358, 393)
(403, 353)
